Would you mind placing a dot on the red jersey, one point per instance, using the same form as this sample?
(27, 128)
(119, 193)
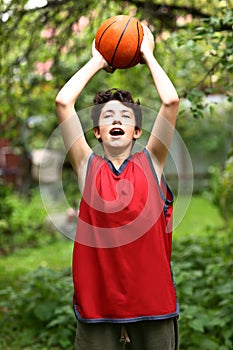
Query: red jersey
(122, 251)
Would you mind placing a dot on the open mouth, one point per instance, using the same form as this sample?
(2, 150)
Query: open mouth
(116, 132)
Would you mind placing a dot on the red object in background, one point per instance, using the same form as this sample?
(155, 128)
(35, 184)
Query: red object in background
(4, 143)
(9, 163)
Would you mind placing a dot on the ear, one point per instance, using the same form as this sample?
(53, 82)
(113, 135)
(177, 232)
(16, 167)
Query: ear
(137, 133)
(97, 132)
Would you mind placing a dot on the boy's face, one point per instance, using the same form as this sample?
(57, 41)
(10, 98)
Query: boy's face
(117, 125)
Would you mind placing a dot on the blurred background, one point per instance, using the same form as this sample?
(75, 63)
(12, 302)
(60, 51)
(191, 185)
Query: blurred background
(43, 43)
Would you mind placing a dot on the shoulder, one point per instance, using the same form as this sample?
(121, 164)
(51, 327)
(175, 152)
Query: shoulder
(145, 156)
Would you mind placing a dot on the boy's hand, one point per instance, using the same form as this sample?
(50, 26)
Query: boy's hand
(97, 55)
(147, 45)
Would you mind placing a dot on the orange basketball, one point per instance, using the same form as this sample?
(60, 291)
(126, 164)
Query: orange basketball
(119, 39)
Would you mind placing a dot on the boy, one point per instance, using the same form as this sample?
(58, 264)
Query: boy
(123, 285)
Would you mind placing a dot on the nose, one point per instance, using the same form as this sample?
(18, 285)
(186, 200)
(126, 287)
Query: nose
(117, 119)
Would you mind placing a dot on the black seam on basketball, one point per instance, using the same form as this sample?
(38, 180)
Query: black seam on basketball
(117, 19)
(138, 45)
(114, 54)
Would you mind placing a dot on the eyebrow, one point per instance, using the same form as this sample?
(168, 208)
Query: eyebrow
(109, 111)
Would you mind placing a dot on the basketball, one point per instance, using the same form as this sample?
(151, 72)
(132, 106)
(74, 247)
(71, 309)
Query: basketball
(118, 40)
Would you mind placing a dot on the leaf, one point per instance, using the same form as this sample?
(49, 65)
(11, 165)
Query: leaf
(45, 310)
(197, 325)
(209, 344)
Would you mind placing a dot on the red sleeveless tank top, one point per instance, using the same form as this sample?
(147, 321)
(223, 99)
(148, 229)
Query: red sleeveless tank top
(122, 250)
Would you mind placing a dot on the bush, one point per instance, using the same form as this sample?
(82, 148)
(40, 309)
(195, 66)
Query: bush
(226, 190)
(222, 186)
(39, 313)
(203, 275)
(22, 220)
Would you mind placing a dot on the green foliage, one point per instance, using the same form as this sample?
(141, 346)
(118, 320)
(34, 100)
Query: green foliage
(210, 134)
(209, 41)
(43, 46)
(207, 139)
(40, 313)
(203, 270)
(222, 187)
(226, 190)
(22, 220)
(38, 308)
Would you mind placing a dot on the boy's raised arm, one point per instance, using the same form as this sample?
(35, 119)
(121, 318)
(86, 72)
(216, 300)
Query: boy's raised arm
(163, 129)
(71, 128)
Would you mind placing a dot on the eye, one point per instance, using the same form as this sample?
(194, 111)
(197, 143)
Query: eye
(108, 116)
(126, 116)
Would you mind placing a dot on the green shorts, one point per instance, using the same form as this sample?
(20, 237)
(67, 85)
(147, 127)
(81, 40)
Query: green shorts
(144, 335)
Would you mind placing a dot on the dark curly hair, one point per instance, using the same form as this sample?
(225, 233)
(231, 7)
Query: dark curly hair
(124, 96)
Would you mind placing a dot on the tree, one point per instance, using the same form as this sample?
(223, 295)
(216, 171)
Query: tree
(44, 41)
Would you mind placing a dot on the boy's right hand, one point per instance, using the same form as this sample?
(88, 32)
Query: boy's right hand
(148, 44)
(104, 64)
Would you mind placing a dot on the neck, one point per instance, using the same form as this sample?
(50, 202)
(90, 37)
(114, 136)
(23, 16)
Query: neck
(118, 158)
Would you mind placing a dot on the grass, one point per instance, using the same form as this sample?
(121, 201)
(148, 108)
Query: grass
(55, 255)
(200, 217)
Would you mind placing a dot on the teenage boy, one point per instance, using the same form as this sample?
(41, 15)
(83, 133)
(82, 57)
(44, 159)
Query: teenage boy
(123, 284)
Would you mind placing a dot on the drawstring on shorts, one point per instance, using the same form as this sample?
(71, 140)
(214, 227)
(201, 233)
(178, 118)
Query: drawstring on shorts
(124, 335)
